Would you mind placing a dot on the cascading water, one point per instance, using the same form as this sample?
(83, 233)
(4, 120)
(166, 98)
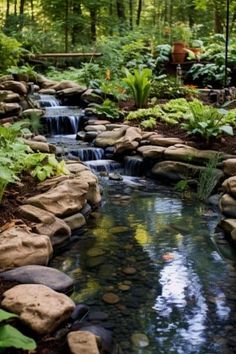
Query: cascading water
(103, 165)
(48, 101)
(62, 120)
(88, 153)
(134, 166)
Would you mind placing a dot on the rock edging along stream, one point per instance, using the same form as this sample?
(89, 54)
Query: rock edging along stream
(63, 201)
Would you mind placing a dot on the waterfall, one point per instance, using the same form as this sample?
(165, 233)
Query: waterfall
(88, 153)
(134, 166)
(62, 120)
(103, 165)
(48, 101)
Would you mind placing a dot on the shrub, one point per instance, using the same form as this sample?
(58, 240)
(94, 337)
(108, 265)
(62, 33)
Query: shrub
(10, 52)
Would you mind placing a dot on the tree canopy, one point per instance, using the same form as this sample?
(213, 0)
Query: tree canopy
(65, 24)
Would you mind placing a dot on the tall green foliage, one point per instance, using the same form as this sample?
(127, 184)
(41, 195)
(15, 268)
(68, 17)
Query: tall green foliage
(10, 52)
(140, 84)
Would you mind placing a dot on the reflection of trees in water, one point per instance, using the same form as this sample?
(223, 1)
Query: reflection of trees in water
(139, 232)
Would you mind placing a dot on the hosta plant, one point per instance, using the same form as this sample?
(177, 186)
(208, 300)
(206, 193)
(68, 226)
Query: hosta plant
(139, 84)
(206, 121)
(10, 337)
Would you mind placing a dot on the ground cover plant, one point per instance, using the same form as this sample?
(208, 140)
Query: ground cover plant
(16, 157)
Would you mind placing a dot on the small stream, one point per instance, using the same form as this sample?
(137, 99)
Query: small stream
(173, 274)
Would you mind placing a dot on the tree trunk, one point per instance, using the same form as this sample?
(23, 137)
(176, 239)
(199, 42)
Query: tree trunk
(15, 8)
(66, 26)
(218, 21)
(22, 8)
(139, 11)
(111, 16)
(77, 27)
(131, 14)
(93, 24)
(32, 9)
(7, 9)
(121, 15)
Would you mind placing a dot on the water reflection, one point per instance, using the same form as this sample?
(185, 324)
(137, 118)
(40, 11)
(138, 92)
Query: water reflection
(178, 293)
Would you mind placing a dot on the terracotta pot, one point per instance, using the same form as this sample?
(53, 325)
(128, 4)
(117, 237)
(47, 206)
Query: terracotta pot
(197, 52)
(178, 52)
(178, 58)
(178, 47)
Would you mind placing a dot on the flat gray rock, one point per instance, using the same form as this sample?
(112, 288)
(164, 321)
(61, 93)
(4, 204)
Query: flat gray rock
(35, 274)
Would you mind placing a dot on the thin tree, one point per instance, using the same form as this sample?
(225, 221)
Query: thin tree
(139, 12)
(121, 15)
(131, 14)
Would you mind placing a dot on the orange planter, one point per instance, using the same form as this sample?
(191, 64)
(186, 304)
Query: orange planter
(178, 52)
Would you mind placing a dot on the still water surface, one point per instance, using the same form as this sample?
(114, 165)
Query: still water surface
(180, 294)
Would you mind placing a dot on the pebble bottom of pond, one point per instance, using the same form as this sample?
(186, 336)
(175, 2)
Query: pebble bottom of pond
(152, 270)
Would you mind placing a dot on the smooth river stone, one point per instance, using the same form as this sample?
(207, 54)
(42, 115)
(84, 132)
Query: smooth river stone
(95, 252)
(36, 274)
(111, 298)
(123, 287)
(129, 270)
(140, 340)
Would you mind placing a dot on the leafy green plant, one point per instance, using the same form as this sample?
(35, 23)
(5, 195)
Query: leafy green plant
(10, 52)
(24, 70)
(43, 166)
(140, 84)
(208, 179)
(145, 113)
(206, 121)
(107, 109)
(10, 336)
(167, 88)
(210, 73)
(149, 123)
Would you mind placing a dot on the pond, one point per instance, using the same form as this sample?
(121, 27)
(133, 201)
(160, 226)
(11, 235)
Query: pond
(170, 277)
(158, 254)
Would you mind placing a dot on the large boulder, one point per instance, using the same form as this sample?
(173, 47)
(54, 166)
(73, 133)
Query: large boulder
(35, 274)
(229, 186)
(228, 225)
(130, 140)
(229, 167)
(28, 113)
(46, 223)
(39, 307)
(66, 84)
(19, 247)
(109, 138)
(176, 171)
(151, 152)
(95, 127)
(227, 205)
(93, 195)
(156, 139)
(91, 96)
(189, 154)
(75, 221)
(14, 86)
(40, 146)
(67, 198)
(9, 109)
(83, 342)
